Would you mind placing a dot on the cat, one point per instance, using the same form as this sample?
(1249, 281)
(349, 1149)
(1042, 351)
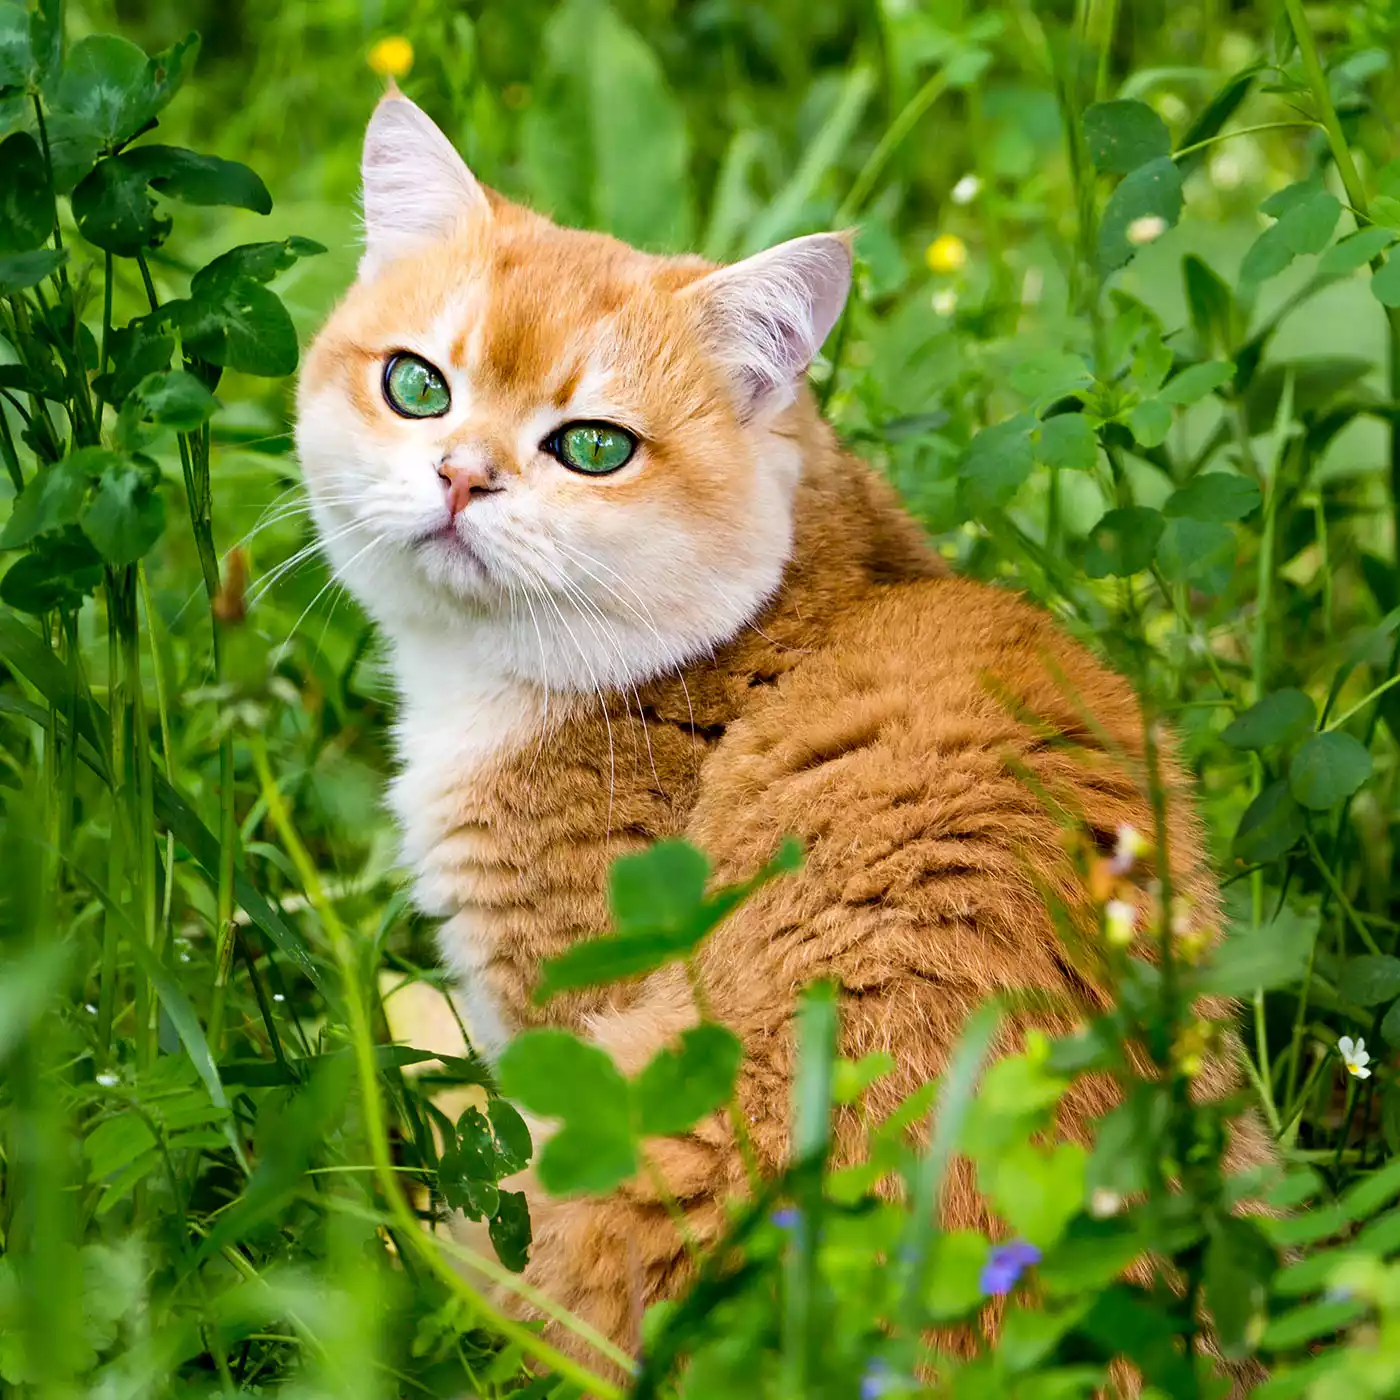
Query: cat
(633, 588)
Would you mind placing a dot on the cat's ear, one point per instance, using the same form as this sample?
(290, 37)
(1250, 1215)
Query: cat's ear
(768, 315)
(416, 187)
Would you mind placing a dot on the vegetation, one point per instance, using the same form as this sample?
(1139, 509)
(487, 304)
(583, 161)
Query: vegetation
(1126, 335)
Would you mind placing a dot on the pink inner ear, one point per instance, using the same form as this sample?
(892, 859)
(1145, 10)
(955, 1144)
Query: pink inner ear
(770, 313)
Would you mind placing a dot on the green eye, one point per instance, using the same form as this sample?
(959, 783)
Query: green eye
(415, 389)
(594, 448)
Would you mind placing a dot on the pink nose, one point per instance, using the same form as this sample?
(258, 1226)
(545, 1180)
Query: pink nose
(464, 483)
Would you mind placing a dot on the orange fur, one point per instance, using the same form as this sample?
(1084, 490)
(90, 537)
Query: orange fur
(906, 725)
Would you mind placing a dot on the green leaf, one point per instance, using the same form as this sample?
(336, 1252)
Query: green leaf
(1035, 1189)
(1212, 306)
(1149, 422)
(1266, 257)
(1279, 718)
(16, 65)
(660, 888)
(953, 1280)
(127, 515)
(470, 1168)
(137, 350)
(510, 1231)
(26, 198)
(21, 270)
(996, 462)
(1327, 769)
(1385, 282)
(240, 325)
(1239, 1266)
(259, 261)
(110, 85)
(1271, 825)
(1198, 552)
(176, 398)
(1152, 191)
(1123, 135)
(59, 572)
(1370, 979)
(1390, 1026)
(1049, 375)
(1123, 542)
(1067, 441)
(114, 210)
(680, 1087)
(32, 979)
(556, 1075)
(1196, 381)
(53, 499)
(1272, 955)
(1216, 496)
(609, 149)
(1307, 227)
(1355, 251)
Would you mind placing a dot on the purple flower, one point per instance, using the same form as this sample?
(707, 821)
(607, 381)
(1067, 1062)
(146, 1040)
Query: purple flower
(876, 1380)
(786, 1218)
(1005, 1265)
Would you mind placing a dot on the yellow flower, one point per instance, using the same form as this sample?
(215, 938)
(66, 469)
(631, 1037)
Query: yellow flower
(391, 57)
(947, 253)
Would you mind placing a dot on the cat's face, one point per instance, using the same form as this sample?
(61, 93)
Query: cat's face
(548, 436)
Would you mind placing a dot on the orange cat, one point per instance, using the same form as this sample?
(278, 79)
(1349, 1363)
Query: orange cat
(633, 588)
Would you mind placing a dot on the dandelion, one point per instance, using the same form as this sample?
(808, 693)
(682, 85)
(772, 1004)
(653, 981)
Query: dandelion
(1146, 229)
(947, 253)
(107, 1079)
(1005, 1265)
(966, 190)
(945, 301)
(391, 57)
(1118, 919)
(1354, 1056)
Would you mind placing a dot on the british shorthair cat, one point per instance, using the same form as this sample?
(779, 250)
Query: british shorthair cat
(633, 588)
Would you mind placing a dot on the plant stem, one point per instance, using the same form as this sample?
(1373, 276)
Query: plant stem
(888, 144)
(1241, 131)
(1356, 195)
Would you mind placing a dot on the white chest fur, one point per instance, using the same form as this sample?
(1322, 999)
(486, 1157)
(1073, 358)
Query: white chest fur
(461, 717)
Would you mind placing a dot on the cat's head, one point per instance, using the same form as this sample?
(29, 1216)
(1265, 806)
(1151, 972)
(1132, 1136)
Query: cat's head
(543, 434)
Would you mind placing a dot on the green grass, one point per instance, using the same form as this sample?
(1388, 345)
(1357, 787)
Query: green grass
(1182, 439)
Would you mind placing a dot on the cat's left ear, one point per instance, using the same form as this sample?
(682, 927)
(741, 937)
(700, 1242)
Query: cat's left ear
(768, 315)
(416, 187)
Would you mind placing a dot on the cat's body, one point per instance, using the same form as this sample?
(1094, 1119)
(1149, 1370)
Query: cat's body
(734, 637)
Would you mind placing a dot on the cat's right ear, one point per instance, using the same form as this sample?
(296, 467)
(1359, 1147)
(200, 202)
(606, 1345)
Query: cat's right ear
(416, 187)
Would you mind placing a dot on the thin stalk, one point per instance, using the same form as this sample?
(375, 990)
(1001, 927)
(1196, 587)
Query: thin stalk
(11, 456)
(167, 753)
(1356, 195)
(1240, 131)
(411, 1233)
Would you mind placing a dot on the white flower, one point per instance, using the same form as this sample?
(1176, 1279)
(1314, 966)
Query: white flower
(1354, 1056)
(277, 996)
(1146, 229)
(966, 190)
(1104, 1203)
(1131, 845)
(945, 301)
(1119, 917)
(107, 1079)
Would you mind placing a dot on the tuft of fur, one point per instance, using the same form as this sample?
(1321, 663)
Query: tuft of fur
(738, 636)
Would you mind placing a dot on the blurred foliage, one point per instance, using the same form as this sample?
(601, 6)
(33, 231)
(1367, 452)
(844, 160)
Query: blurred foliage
(1124, 335)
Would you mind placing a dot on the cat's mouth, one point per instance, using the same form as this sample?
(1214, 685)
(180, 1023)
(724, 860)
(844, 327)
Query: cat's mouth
(445, 540)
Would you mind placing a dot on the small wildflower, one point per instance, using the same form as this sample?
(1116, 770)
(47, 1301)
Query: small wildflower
(876, 1380)
(391, 57)
(1355, 1056)
(1147, 229)
(945, 301)
(278, 996)
(786, 1217)
(89, 1008)
(966, 190)
(947, 253)
(1104, 1203)
(1132, 845)
(108, 1080)
(1189, 1052)
(1118, 919)
(1005, 1265)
